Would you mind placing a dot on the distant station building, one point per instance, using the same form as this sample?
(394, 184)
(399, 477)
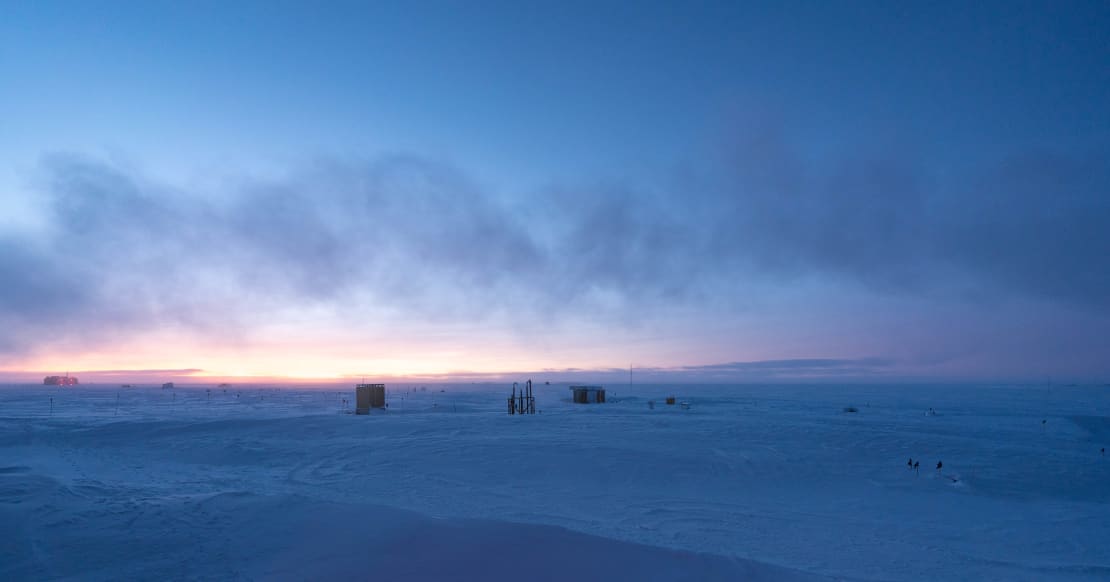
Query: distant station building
(167, 385)
(588, 394)
(369, 396)
(66, 380)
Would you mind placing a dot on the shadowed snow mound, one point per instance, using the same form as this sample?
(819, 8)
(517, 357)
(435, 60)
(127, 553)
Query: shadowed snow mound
(334, 541)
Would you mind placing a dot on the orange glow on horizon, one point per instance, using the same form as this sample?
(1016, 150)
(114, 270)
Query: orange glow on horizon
(308, 354)
(302, 363)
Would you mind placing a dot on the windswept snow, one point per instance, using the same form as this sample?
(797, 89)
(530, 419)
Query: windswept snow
(761, 483)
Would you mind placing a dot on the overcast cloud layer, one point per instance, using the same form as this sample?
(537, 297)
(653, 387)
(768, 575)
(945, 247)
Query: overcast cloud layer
(420, 241)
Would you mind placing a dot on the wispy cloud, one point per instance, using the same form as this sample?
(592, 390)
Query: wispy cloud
(792, 368)
(143, 372)
(788, 370)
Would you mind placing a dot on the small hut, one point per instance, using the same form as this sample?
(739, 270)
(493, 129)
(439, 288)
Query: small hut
(588, 394)
(369, 396)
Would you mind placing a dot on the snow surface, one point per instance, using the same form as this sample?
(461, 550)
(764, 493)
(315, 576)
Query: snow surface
(749, 483)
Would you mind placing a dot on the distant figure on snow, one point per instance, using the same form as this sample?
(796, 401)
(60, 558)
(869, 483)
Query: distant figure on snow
(939, 465)
(909, 463)
(916, 466)
(1103, 451)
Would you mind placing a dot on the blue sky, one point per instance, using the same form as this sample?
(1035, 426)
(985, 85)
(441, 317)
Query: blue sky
(922, 188)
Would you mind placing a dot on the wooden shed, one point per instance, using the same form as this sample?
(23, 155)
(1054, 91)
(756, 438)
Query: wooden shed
(588, 394)
(369, 396)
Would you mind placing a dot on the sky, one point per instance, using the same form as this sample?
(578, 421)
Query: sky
(719, 192)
